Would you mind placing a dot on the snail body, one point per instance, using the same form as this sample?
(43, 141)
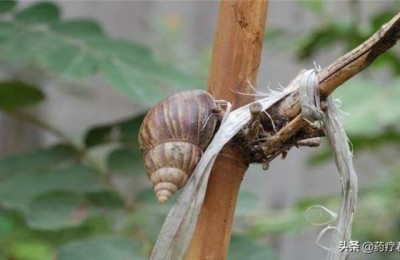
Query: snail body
(173, 136)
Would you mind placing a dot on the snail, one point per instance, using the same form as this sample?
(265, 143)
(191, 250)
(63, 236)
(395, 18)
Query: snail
(173, 136)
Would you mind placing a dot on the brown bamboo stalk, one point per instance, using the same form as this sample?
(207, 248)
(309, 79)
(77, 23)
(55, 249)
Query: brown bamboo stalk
(235, 62)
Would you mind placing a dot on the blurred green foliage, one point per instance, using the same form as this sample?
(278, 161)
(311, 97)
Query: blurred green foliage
(79, 48)
(18, 94)
(67, 202)
(371, 117)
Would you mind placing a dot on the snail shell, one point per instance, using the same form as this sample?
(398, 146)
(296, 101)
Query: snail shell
(173, 136)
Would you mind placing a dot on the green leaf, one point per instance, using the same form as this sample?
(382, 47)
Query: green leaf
(126, 168)
(126, 161)
(102, 248)
(23, 46)
(316, 40)
(151, 214)
(326, 35)
(273, 35)
(105, 199)
(149, 222)
(126, 131)
(317, 6)
(371, 117)
(278, 222)
(123, 77)
(63, 59)
(31, 250)
(7, 224)
(319, 157)
(78, 28)
(40, 160)
(147, 198)
(148, 78)
(119, 49)
(15, 94)
(74, 178)
(371, 107)
(390, 136)
(248, 203)
(62, 49)
(6, 31)
(56, 210)
(42, 12)
(389, 60)
(242, 247)
(7, 5)
(359, 142)
(381, 18)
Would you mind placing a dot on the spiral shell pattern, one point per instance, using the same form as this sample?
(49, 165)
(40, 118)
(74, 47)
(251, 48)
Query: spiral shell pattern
(172, 139)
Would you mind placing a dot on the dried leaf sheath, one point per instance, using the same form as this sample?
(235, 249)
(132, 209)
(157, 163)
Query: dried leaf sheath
(179, 226)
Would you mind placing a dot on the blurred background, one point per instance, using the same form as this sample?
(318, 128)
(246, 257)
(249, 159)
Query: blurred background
(76, 78)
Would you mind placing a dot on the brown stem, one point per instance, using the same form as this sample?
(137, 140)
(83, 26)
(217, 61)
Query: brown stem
(339, 71)
(331, 78)
(235, 63)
